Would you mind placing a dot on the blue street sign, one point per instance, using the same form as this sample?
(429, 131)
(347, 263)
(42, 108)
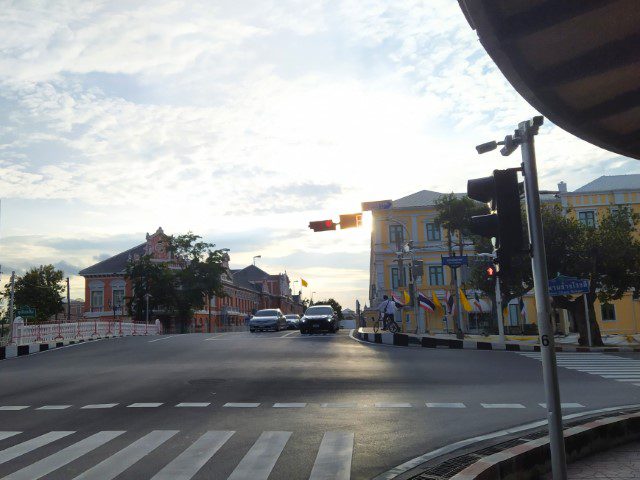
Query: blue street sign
(455, 262)
(563, 285)
(378, 205)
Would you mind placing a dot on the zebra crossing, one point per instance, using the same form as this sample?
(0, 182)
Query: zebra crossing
(333, 459)
(621, 369)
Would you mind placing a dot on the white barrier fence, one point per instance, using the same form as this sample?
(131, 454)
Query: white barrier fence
(60, 332)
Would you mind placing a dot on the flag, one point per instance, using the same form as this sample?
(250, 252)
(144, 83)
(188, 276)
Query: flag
(304, 282)
(425, 303)
(407, 298)
(523, 308)
(451, 304)
(436, 302)
(397, 300)
(477, 303)
(464, 302)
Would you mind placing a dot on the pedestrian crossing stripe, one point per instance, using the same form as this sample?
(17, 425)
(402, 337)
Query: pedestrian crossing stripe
(611, 367)
(333, 459)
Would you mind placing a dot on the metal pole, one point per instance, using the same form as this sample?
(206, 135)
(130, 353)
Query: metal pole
(499, 307)
(458, 319)
(543, 304)
(11, 295)
(68, 302)
(147, 310)
(586, 317)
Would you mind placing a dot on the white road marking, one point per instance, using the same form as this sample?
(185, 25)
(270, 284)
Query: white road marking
(241, 405)
(334, 457)
(502, 405)
(163, 338)
(446, 405)
(288, 334)
(289, 405)
(339, 405)
(4, 435)
(98, 406)
(194, 404)
(144, 405)
(30, 445)
(125, 458)
(189, 462)
(565, 405)
(12, 408)
(392, 405)
(261, 458)
(53, 407)
(67, 455)
(216, 336)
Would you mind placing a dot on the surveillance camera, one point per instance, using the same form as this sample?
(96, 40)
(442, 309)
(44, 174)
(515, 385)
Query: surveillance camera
(486, 147)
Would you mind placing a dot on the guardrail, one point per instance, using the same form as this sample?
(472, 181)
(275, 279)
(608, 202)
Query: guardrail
(52, 332)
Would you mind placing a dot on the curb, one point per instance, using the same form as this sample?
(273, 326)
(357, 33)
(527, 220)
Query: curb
(532, 459)
(12, 351)
(405, 340)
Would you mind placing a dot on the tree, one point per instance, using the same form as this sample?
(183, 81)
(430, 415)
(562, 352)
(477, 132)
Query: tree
(180, 286)
(334, 304)
(41, 288)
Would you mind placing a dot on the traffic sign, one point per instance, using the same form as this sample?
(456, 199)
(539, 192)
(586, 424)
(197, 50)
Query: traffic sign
(563, 285)
(377, 205)
(455, 262)
(26, 312)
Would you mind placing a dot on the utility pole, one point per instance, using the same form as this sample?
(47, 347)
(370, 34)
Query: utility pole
(68, 302)
(526, 132)
(499, 307)
(11, 296)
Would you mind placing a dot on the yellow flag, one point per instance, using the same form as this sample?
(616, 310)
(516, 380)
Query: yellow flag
(463, 300)
(304, 282)
(407, 298)
(436, 302)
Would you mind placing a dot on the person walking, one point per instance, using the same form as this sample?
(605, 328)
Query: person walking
(387, 309)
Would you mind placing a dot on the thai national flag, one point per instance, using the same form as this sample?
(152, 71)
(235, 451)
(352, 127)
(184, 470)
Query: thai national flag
(397, 300)
(425, 303)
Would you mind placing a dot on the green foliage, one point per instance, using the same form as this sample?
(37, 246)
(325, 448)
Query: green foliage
(454, 215)
(336, 306)
(40, 287)
(179, 287)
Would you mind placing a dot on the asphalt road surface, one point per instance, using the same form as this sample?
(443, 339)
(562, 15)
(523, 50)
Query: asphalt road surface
(271, 405)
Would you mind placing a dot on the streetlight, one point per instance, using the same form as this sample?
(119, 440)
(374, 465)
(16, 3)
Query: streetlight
(254, 259)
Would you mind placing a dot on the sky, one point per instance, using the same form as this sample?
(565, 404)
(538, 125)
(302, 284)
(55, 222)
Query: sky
(242, 122)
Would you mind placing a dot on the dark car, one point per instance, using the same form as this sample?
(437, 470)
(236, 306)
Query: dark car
(270, 319)
(293, 321)
(319, 318)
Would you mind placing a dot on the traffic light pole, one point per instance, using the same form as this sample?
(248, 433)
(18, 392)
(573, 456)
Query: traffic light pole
(527, 131)
(499, 308)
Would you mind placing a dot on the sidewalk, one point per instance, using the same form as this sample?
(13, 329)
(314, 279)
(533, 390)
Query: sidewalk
(622, 462)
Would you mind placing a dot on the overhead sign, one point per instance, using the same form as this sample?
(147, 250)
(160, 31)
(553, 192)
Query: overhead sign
(378, 205)
(26, 312)
(455, 262)
(563, 285)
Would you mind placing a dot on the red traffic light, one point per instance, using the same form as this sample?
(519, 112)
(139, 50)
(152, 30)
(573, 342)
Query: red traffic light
(322, 225)
(491, 271)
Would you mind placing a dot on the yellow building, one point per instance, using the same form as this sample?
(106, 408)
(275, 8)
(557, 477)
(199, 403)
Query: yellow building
(411, 219)
(589, 203)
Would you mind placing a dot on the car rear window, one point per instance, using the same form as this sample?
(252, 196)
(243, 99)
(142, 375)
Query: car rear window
(319, 311)
(267, 313)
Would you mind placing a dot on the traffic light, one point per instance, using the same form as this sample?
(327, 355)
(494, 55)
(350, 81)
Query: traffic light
(322, 225)
(351, 220)
(491, 273)
(505, 222)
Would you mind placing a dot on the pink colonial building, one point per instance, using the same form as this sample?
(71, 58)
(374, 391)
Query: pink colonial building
(246, 290)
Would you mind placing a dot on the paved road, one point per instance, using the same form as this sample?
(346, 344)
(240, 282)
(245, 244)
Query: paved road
(272, 405)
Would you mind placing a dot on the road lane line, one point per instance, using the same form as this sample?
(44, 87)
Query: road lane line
(392, 405)
(194, 404)
(63, 457)
(216, 336)
(12, 408)
(288, 334)
(339, 405)
(30, 445)
(565, 405)
(241, 405)
(4, 435)
(502, 405)
(98, 406)
(334, 457)
(144, 405)
(189, 462)
(53, 407)
(117, 463)
(289, 405)
(261, 458)
(446, 405)
(163, 338)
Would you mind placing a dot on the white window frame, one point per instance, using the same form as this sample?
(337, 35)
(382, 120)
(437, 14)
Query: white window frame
(436, 229)
(584, 221)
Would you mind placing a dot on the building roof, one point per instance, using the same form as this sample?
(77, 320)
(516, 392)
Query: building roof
(113, 265)
(612, 182)
(423, 198)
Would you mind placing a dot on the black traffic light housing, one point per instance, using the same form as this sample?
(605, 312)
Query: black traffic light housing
(505, 221)
(322, 225)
